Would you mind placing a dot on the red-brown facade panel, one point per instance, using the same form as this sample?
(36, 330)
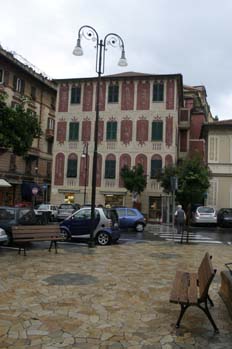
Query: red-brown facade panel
(127, 95)
(143, 95)
(63, 98)
(125, 160)
(100, 131)
(196, 124)
(61, 131)
(59, 169)
(168, 160)
(170, 94)
(86, 131)
(141, 159)
(169, 131)
(102, 96)
(126, 131)
(183, 141)
(84, 171)
(88, 97)
(142, 131)
(99, 170)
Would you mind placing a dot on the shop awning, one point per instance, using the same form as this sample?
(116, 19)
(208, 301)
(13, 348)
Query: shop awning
(4, 183)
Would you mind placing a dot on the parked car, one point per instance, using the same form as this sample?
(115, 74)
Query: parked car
(131, 218)
(224, 217)
(106, 229)
(204, 215)
(3, 236)
(50, 210)
(10, 216)
(65, 210)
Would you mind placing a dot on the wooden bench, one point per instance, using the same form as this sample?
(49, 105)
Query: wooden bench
(192, 289)
(22, 234)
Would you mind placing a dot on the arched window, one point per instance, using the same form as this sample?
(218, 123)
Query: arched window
(156, 165)
(72, 166)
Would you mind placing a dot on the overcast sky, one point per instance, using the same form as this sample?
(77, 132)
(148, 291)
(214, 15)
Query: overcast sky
(191, 37)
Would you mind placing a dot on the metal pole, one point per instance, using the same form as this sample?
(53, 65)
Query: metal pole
(173, 214)
(94, 168)
(86, 168)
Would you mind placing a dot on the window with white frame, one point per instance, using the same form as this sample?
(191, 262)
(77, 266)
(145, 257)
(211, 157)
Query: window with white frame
(1, 76)
(213, 149)
(51, 124)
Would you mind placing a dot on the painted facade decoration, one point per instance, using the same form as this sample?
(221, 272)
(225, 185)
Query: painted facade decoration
(63, 98)
(61, 131)
(100, 131)
(84, 171)
(142, 131)
(126, 131)
(143, 95)
(141, 159)
(59, 169)
(88, 97)
(125, 160)
(127, 100)
(169, 131)
(168, 160)
(170, 94)
(102, 96)
(99, 170)
(86, 130)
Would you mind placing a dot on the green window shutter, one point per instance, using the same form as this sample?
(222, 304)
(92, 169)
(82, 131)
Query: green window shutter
(113, 94)
(156, 166)
(110, 168)
(73, 131)
(75, 95)
(158, 92)
(157, 131)
(72, 168)
(111, 131)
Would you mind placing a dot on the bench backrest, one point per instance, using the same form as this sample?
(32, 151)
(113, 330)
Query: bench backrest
(205, 276)
(35, 231)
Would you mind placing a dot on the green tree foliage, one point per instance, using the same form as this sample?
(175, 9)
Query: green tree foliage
(134, 178)
(193, 180)
(18, 127)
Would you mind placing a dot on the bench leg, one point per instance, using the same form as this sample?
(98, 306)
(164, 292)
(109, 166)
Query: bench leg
(53, 242)
(209, 316)
(183, 310)
(24, 249)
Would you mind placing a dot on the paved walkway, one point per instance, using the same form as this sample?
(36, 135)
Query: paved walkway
(106, 298)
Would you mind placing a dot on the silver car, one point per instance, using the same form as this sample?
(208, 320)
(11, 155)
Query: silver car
(204, 215)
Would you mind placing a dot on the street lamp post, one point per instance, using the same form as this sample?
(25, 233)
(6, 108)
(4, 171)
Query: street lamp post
(85, 155)
(113, 40)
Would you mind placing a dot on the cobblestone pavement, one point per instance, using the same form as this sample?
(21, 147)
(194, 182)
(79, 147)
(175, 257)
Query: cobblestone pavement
(106, 298)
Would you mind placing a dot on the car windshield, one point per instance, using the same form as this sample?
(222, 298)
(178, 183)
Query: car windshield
(66, 206)
(43, 207)
(7, 214)
(205, 209)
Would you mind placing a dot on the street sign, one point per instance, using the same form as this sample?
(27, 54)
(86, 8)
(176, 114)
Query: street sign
(34, 190)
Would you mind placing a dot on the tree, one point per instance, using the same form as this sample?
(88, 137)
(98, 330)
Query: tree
(18, 127)
(134, 179)
(193, 180)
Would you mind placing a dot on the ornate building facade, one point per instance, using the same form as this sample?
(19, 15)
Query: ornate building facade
(20, 81)
(138, 123)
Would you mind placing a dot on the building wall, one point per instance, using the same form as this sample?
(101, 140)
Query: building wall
(134, 115)
(13, 168)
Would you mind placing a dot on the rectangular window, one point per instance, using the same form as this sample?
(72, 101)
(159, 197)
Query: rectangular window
(73, 131)
(158, 92)
(18, 84)
(111, 132)
(53, 102)
(157, 131)
(1, 76)
(51, 124)
(72, 168)
(156, 167)
(213, 149)
(33, 93)
(49, 147)
(113, 94)
(110, 168)
(76, 95)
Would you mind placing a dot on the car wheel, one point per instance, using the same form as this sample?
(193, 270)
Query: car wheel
(103, 238)
(139, 227)
(65, 234)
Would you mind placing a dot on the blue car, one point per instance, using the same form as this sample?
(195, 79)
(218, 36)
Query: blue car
(106, 229)
(131, 218)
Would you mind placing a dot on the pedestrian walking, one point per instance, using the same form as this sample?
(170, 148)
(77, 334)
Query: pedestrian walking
(180, 218)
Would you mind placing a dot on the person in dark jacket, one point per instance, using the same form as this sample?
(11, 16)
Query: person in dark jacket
(180, 218)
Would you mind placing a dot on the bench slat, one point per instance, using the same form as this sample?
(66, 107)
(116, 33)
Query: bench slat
(36, 232)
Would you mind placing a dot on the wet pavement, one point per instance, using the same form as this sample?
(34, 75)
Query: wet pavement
(106, 297)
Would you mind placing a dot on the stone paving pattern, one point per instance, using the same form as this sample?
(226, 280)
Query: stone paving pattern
(109, 297)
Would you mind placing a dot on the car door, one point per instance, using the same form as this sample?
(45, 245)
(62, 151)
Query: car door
(122, 218)
(80, 222)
